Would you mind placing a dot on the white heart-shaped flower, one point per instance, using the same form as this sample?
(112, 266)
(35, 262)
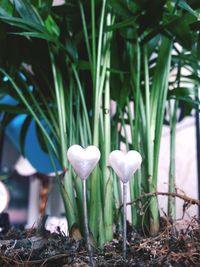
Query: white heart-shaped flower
(125, 164)
(83, 160)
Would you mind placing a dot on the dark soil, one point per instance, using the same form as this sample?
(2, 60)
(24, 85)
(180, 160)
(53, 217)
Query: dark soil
(172, 247)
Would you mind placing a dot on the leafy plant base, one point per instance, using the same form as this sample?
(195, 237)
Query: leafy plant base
(172, 247)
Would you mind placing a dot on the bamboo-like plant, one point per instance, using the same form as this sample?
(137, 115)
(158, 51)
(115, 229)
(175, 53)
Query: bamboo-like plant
(83, 54)
(69, 97)
(151, 61)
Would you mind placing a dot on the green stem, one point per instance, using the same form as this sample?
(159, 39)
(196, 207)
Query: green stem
(93, 42)
(158, 100)
(67, 188)
(171, 189)
(149, 140)
(87, 40)
(108, 183)
(98, 75)
(82, 101)
(95, 197)
(61, 108)
(135, 184)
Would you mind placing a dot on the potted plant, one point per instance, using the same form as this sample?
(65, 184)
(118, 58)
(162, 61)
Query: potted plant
(70, 61)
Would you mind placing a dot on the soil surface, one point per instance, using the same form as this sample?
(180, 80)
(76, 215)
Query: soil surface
(172, 247)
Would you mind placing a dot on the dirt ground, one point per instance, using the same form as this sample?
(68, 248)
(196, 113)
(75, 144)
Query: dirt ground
(172, 247)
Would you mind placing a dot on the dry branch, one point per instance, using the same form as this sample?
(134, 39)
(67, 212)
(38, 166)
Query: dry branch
(187, 199)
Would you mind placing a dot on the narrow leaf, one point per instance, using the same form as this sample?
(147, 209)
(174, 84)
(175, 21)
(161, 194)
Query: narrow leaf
(27, 11)
(184, 5)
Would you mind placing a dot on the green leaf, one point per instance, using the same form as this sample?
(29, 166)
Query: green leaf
(122, 24)
(71, 49)
(120, 7)
(51, 26)
(185, 94)
(21, 23)
(184, 5)
(27, 11)
(186, 98)
(43, 7)
(6, 7)
(179, 27)
(192, 78)
(188, 104)
(182, 92)
(35, 35)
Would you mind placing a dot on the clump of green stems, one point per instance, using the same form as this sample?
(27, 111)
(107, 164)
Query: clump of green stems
(96, 52)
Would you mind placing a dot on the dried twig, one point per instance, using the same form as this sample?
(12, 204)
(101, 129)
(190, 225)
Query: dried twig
(187, 199)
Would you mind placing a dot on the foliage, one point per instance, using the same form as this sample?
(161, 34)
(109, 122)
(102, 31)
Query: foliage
(79, 56)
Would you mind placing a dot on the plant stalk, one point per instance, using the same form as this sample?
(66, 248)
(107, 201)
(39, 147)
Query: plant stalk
(95, 197)
(158, 100)
(171, 200)
(135, 184)
(93, 42)
(149, 142)
(108, 201)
